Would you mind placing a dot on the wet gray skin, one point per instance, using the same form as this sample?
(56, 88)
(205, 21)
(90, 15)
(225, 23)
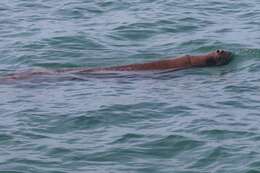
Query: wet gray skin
(220, 58)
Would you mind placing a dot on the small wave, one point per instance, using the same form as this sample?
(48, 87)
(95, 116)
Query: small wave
(170, 146)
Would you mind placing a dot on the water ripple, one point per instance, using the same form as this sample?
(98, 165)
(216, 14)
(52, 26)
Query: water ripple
(196, 120)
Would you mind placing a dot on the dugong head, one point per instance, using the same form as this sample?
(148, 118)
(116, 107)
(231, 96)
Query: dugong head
(218, 57)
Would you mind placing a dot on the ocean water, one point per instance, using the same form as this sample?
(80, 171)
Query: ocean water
(192, 121)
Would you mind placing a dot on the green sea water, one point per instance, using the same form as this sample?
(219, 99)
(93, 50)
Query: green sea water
(203, 120)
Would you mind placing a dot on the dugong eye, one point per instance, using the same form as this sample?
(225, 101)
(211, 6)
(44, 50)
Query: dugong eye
(220, 51)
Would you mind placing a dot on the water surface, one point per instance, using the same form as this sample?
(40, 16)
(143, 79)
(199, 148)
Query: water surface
(191, 121)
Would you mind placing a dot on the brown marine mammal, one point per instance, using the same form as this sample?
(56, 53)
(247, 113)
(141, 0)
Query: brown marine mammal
(215, 58)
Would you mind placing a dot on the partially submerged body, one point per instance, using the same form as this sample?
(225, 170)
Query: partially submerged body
(219, 57)
(216, 58)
